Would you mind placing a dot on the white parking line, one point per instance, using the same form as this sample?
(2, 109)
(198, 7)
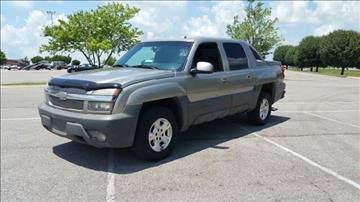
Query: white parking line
(333, 120)
(332, 111)
(20, 119)
(110, 188)
(326, 170)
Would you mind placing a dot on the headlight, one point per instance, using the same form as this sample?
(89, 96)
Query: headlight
(100, 106)
(108, 91)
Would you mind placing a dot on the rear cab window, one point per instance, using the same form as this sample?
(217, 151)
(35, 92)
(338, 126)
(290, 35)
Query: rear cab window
(256, 54)
(236, 56)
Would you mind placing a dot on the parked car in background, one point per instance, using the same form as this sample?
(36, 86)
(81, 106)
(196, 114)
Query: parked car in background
(82, 67)
(146, 99)
(13, 67)
(44, 64)
(58, 65)
(69, 66)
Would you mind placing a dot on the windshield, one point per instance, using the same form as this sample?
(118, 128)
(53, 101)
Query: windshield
(156, 55)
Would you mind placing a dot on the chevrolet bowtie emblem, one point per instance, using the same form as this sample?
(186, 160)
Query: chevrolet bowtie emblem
(62, 95)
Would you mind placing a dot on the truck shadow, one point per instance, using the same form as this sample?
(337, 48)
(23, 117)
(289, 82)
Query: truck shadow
(196, 139)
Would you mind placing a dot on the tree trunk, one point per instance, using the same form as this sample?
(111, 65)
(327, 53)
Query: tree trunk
(301, 68)
(342, 70)
(317, 69)
(311, 69)
(287, 66)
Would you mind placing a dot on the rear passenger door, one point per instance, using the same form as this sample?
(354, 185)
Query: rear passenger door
(240, 78)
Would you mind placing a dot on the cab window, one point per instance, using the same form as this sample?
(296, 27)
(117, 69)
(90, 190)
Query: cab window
(236, 56)
(208, 52)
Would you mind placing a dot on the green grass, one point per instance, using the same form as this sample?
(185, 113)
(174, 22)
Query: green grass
(329, 72)
(24, 84)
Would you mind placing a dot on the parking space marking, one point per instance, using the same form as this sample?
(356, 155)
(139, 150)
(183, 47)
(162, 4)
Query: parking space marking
(110, 188)
(320, 111)
(307, 160)
(20, 119)
(317, 103)
(333, 120)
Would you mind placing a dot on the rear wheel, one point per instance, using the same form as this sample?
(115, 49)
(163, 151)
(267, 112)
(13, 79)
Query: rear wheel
(261, 114)
(156, 134)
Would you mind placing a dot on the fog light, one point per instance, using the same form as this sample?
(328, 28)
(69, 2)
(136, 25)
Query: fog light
(99, 136)
(100, 106)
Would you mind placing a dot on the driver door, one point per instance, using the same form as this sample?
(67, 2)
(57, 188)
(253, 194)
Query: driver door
(207, 93)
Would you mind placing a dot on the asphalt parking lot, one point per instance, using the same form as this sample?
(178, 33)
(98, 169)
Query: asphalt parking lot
(310, 151)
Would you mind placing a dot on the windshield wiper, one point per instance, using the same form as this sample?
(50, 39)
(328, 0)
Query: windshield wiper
(119, 65)
(146, 67)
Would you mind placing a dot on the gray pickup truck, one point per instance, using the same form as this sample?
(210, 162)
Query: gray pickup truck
(158, 89)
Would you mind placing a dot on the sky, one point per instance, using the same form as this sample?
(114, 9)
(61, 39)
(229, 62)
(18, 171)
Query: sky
(22, 21)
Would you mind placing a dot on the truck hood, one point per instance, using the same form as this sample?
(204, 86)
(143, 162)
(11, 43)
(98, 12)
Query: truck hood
(122, 76)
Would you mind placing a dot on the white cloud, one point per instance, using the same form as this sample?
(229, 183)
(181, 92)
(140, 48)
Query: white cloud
(201, 26)
(322, 14)
(158, 19)
(324, 29)
(22, 4)
(293, 12)
(213, 22)
(26, 40)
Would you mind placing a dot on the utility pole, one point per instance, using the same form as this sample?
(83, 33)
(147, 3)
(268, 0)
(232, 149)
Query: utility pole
(51, 13)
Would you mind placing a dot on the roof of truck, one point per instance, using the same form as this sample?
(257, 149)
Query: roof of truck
(198, 39)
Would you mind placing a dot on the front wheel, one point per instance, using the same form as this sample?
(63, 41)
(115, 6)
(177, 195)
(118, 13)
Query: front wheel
(261, 114)
(156, 134)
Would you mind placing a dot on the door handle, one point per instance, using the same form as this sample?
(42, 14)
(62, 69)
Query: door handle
(224, 80)
(248, 76)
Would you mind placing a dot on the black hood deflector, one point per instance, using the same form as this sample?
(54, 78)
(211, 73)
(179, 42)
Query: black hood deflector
(82, 84)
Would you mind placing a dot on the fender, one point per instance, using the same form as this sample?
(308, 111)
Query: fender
(160, 92)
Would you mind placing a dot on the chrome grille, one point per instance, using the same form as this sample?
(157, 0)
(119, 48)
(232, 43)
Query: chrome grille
(68, 104)
(68, 90)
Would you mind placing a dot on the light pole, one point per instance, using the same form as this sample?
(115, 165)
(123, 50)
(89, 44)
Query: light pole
(51, 13)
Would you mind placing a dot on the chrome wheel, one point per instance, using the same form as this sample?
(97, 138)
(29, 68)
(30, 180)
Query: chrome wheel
(264, 109)
(160, 134)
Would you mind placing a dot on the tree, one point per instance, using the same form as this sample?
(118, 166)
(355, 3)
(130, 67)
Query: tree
(341, 48)
(291, 57)
(75, 62)
(110, 61)
(2, 57)
(309, 52)
(257, 28)
(96, 33)
(66, 59)
(48, 58)
(36, 59)
(25, 61)
(280, 53)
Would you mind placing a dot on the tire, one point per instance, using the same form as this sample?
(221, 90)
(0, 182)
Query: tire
(147, 149)
(258, 116)
(69, 70)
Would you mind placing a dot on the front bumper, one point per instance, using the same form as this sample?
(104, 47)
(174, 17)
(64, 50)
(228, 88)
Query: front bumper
(113, 130)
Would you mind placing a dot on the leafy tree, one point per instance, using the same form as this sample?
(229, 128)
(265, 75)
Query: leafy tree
(2, 57)
(309, 52)
(25, 61)
(280, 53)
(257, 28)
(75, 62)
(96, 33)
(66, 59)
(341, 48)
(291, 57)
(48, 58)
(36, 59)
(110, 61)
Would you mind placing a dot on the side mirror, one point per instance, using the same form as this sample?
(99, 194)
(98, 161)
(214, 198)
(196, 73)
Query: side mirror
(202, 68)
